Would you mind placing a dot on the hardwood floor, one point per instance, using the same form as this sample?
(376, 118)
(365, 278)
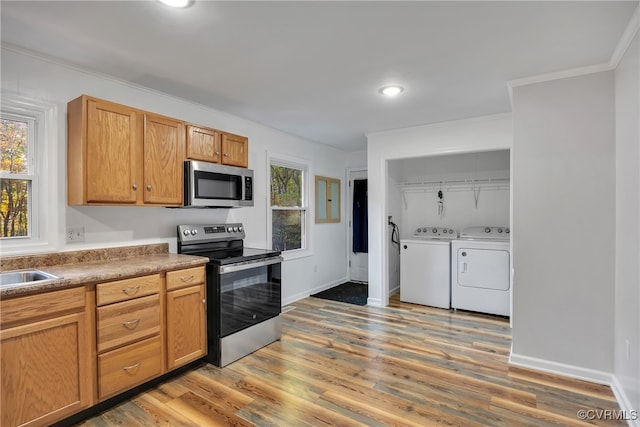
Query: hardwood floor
(346, 365)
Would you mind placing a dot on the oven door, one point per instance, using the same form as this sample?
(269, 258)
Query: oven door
(250, 292)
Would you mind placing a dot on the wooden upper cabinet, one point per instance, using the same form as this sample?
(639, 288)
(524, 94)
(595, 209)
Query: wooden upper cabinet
(211, 145)
(203, 144)
(235, 150)
(163, 160)
(102, 164)
(118, 155)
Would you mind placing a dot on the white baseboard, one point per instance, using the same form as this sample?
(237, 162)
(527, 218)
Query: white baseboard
(394, 290)
(585, 374)
(376, 302)
(320, 288)
(599, 377)
(625, 403)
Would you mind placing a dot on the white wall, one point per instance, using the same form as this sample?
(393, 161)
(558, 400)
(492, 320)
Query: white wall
(627, 273)
(420, 202)
(563, 223)
(34, 77)
(464, 136)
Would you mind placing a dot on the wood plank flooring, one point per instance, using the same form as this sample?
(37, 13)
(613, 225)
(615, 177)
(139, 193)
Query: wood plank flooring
(346, 365)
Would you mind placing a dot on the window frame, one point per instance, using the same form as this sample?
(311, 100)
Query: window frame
(306, 240)
(41, 158)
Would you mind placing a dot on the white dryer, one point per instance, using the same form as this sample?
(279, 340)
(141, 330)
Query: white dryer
(425, 267)
(481, 270)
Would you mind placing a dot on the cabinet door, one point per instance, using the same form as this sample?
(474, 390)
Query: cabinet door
(44, 371)
(327, 199)
(235, 150)
(186, 325)
(163, 160)
(111, 162)
(203, 144)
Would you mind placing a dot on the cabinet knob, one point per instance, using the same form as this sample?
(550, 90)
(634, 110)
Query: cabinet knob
(226, 154)
(217, 153)
(204, 301)
(135, 186)
(149, 187)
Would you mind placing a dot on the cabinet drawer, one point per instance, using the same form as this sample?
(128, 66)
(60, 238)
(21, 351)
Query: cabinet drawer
(127, 321)
(122, 290)
(33, 307)
(183, 278)
(128, 366)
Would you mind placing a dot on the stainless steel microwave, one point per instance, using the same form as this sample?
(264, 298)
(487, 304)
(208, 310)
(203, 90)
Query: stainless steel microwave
(217, 186)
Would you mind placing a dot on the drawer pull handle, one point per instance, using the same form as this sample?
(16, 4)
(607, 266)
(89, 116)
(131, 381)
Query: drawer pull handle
(131, 324)
(187, 278)
(131, 290)
(129, 368)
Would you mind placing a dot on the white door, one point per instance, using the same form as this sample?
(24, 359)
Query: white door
(483, 268)
(358, 262)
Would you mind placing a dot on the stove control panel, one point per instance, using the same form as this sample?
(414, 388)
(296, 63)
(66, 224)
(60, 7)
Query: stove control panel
(210, 232)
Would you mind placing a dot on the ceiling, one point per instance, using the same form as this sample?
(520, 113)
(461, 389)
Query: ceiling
(313, 69)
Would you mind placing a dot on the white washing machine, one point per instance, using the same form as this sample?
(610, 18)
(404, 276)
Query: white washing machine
(481, 270)
(425, 267)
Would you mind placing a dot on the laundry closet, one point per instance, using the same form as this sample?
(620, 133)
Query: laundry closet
(438, 202)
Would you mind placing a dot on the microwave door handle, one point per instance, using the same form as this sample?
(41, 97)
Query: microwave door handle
(249, 265)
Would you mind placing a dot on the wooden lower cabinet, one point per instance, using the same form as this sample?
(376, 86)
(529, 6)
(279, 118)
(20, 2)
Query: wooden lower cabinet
(126, 367)
(65, 350)
(186, 325)
(45, 364)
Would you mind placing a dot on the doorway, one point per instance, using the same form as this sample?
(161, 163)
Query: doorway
(358, 227)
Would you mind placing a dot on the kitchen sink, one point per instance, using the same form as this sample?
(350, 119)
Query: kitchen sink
(9, 278)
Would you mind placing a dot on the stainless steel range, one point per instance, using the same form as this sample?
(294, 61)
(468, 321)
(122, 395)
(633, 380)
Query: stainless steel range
(244, 297)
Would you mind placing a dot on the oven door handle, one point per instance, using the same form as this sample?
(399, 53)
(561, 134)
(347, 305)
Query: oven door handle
(249, 265)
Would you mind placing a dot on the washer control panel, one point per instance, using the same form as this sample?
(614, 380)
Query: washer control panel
(435, 233)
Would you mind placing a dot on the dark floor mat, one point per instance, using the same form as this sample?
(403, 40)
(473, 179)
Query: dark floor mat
(349, 292)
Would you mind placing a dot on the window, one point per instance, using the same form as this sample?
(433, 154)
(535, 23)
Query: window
(17, 166)
(289, 204)
(27, 183)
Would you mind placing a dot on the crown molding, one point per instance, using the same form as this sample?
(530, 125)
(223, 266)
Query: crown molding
(623, 44)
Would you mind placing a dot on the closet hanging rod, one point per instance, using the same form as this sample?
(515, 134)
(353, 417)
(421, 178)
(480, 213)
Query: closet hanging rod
(457, 182)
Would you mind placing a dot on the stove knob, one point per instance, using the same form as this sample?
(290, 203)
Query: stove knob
(240, 228)
(487, 229)
(445, 231)
(229, 229)
(235, 229)
(185, 232)
(194, 232)
(419, 230)
(499, 230)
(506, 230)
(434, 230)
(450, 231)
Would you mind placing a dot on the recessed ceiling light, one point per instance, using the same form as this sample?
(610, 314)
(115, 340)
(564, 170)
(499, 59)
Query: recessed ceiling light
(391, 90)
(177, 3)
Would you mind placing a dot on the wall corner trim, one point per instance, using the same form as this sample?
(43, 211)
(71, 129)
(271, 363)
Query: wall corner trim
(577, 372)
(626, 39)
(624, 402)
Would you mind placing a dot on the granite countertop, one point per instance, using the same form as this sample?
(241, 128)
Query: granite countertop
(85, 267)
